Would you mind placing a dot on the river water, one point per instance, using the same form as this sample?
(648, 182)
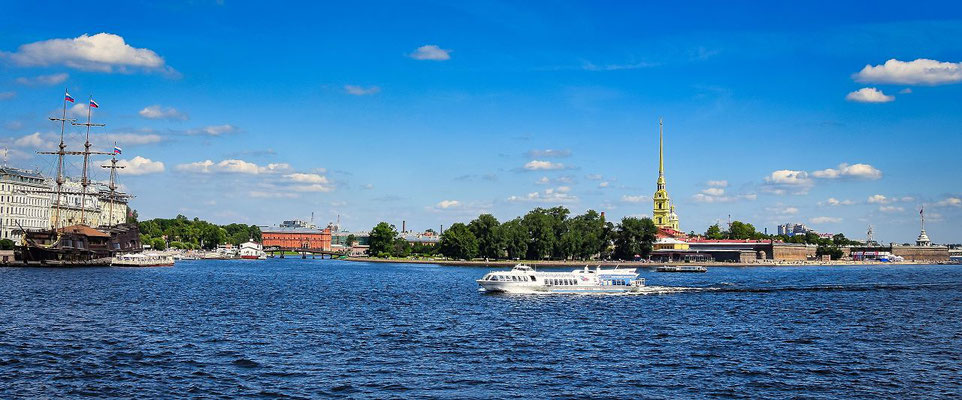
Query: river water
(297, 328)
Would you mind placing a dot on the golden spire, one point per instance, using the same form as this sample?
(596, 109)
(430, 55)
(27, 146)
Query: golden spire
(661, 156)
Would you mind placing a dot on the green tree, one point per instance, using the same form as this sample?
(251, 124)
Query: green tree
(351, 239)
(159, 244)
(543, 238)
(487, 230)
(714, 232)
(459, 242)
(381, 240)
(400, 248)
(515, 238)
(584, 237)
(634, 237)
(740, 230)
(6, 244)
(132, 216)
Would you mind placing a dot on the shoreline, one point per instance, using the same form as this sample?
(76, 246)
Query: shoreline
(633, 264)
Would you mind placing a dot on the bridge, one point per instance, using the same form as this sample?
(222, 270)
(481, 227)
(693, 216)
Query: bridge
(303, 251)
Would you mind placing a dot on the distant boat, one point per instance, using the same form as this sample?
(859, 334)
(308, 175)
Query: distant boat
(142, 260)
(252, 251)
(682, 268)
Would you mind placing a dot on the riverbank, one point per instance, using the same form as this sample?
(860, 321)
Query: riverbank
(633, 264)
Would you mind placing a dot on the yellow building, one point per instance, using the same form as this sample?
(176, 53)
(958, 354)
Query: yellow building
(670, 244)
(664, 213)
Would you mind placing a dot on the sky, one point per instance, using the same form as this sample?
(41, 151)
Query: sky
(837, 115)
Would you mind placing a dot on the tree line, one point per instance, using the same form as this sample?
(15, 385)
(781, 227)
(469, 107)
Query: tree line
(183, 233)
(541, 234)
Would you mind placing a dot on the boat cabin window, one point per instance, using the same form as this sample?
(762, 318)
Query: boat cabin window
(533, 279)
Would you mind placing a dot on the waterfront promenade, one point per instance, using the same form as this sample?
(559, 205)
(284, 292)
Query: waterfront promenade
(630, 264)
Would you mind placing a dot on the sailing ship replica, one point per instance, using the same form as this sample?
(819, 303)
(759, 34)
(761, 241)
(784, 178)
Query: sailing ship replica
(79, 244)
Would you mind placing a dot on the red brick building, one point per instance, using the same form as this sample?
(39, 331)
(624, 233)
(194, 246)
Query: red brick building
(289, 238)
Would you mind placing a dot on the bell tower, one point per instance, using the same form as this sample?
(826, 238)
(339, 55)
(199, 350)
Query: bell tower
(663, 213)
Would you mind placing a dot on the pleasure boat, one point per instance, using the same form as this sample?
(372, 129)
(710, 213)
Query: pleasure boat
(682, 268)
(252, 251)
(142, 260)
(525, 279)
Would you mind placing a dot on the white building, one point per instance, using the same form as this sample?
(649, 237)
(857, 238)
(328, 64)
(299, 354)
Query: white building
(20, 205)
(97, 208)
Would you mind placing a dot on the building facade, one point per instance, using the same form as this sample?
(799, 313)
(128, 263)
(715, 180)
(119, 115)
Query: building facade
(97, 208)
(663, 213)
(296, 238)
(21, 206)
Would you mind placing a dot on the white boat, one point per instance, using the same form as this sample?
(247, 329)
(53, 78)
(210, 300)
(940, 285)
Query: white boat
(524, 279)
(142, 260)
(252, 251)
(682, 268)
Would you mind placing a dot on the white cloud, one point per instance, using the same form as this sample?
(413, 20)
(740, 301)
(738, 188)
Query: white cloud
(43, 80)
(360, 90)
(858, 171)
(633, 198)
(312, 188)
(707, 198)
(594, 177)
(367, 186)
(307, 178)
(877, 198)
(536, 165)
(132, 139)
(880, 199)
(7, 95)
(232, 166)
(272, 195)
(905, 91)
(140, 166)
(547, 153)
(890, 209)
(103, 52)
(553, 196)
(543, 181)
(825, 220)
(34, 140)
(448, 204)
(213, 130)
(782, 210)
(603, 184)
(921, 71)
(869, 95)
(836, 202)
(785, 180)
(431, 52)
(158, 112)
(718, 184)
(714, 191)
(950, 202)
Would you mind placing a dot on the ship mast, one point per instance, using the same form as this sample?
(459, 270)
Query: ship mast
(60, 153)
(112, 186)
(84, 181)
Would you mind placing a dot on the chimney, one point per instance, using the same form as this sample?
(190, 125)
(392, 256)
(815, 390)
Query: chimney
(602, 215)
(404, 226)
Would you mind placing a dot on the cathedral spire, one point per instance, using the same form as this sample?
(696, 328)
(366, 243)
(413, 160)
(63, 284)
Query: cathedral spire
(661, 154)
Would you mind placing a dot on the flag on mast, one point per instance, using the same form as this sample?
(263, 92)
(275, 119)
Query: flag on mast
(93, 104)
(116, 150)
(67, 97)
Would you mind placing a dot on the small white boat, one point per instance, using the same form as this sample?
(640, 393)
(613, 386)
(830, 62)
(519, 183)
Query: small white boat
(524, 279)
(142, 260)
(682, 268)
(252, 251)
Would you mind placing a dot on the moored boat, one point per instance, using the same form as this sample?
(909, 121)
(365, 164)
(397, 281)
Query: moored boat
(525, 279)
(251, 251)
(142, 260)
(681, 268)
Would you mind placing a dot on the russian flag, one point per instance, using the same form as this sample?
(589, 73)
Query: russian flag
(93, 104)
(116, 150)
(67, 97)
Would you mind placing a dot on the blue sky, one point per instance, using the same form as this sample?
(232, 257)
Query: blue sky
(433, 112)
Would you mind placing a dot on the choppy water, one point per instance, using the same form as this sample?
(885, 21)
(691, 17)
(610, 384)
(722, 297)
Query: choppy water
(311, 328)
